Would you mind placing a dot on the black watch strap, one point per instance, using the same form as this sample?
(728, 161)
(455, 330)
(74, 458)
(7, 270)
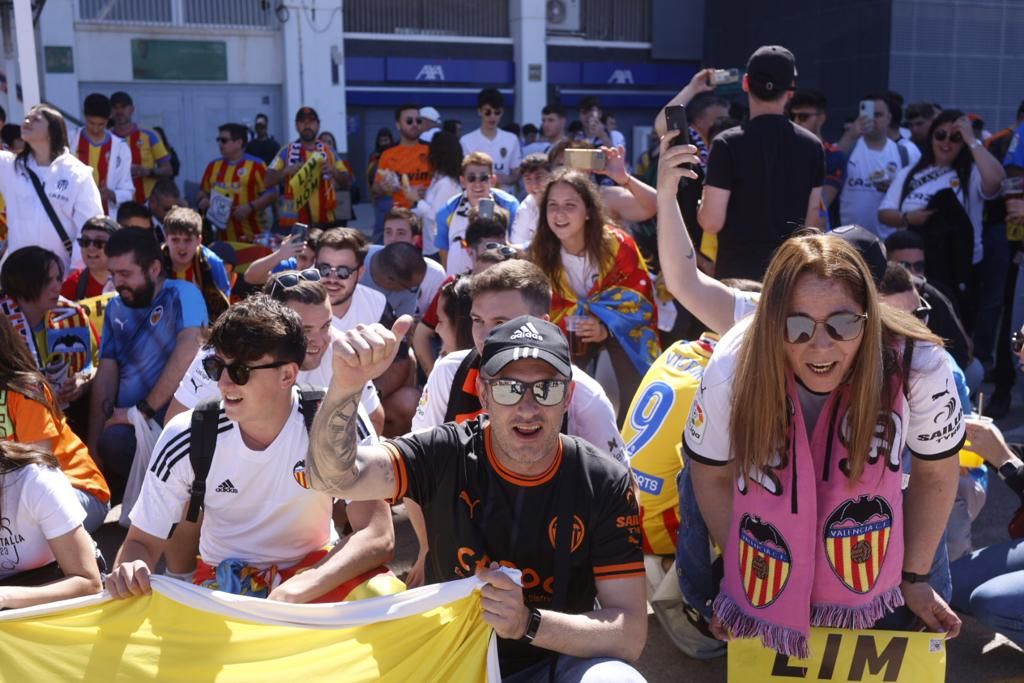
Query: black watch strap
(532, 625)
(911, 577)
(146, 409)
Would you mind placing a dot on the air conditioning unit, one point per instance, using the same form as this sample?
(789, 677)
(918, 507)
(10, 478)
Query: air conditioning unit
(564, 16)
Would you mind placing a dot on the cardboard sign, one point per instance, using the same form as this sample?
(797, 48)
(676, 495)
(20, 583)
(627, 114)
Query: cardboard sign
(96, 308)
(306, 180)
(219, 212)
(840, 655)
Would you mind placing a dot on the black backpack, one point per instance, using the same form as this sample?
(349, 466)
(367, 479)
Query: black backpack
(203, 440)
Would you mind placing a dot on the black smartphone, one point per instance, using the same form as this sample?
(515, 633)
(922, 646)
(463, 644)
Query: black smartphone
(485, 208)
(300, 232)
(675, 119)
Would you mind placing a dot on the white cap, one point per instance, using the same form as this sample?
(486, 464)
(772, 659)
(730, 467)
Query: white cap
(430, 113)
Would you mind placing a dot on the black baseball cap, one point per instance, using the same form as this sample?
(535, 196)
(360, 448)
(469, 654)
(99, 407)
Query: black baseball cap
(522, 338)
(773, 67)
(121, 98)
(306, 113)
(867, 243)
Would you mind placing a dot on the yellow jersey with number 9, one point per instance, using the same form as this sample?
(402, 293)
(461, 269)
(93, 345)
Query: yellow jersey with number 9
(653, 433)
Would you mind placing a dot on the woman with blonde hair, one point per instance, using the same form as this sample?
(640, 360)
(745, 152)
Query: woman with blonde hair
(796, 443)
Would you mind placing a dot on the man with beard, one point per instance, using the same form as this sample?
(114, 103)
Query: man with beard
(150, 334)
(150, 159)
(403, 170)
(318, 211)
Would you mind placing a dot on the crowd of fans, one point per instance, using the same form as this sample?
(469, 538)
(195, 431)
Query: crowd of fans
(697, 368)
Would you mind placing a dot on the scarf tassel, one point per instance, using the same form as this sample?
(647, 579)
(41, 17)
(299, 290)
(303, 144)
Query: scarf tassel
(779, 638)
(857, 618)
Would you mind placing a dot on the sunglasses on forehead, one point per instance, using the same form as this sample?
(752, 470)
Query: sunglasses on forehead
(286, 281)
(941, 135)
(238, 372)
(839, 326)
(509, 392)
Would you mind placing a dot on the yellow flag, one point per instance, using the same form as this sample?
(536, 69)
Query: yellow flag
(306, 180)
(96, 308)
(840, 655)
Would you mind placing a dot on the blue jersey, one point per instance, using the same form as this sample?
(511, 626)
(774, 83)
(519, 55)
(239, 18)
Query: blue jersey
(1015, 152)
(141, 340)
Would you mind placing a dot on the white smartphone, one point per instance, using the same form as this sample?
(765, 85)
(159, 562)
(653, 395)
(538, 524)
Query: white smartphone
(725, 76)
(867, 109)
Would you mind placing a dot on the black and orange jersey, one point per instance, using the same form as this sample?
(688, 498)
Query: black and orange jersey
(478, 511)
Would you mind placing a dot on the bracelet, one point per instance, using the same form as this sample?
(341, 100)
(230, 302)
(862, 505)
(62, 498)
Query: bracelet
(532, 626)
(976, 144)
(911, 577)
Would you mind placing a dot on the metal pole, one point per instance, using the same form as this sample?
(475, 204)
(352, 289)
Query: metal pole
(26, 38)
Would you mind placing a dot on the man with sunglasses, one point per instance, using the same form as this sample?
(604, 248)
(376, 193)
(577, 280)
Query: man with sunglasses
(500, 145)
(405, 164)
(236, 182)
(261, 519)
(807, 109)
(94, 279)
(501, 490)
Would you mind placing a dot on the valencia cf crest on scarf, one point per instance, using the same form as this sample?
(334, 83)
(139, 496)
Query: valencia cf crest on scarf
(764, 561)
(856, 539)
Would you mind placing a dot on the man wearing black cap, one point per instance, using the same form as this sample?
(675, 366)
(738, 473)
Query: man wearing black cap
(150, 159)
(318, 209)
(764, 178)
(509, 490)
(107, 154)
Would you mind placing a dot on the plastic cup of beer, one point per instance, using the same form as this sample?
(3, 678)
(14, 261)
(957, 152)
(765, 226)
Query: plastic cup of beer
(969, 458)
(577, 346)
(1013, 188)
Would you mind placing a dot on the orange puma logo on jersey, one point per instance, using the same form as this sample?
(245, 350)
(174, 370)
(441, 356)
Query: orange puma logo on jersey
(464, 496)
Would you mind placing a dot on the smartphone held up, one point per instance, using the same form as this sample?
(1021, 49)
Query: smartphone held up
(675, 119)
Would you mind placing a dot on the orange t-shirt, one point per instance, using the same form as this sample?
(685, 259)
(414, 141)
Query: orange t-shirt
(27, 421)
(408, 160)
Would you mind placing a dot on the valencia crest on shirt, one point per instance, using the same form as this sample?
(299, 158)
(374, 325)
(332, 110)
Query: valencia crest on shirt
(765, 561)
(856, 539)
(299, 472)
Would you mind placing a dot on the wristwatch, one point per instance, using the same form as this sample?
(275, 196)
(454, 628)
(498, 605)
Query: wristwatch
(145, 409)
(911, 577)
(531, 626)
(976, 144)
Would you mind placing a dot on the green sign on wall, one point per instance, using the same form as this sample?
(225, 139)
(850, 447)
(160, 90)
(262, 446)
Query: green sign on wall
(58, 59)
(179, 60)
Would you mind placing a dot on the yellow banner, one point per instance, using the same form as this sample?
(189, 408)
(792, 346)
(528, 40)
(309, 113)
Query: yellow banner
(306, 180)
(96, 307)
(838, 655)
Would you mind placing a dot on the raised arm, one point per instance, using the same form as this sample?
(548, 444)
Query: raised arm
(705, 297)
(337, 464)
(697, 85)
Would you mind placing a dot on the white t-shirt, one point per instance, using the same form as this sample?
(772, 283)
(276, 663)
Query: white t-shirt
(503, 149)
(590, 412)
(196, 386)
(442, 188)
(580, 273)
(931, 423)
(72, 192)
(524, 227)
(39, 505)
(859, 199)
(430, 286)
(926, 183)
(257, 506)
(119, 169)
(367, 307)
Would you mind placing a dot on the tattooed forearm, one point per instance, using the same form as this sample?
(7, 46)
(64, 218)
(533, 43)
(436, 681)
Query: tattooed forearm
(333, 445)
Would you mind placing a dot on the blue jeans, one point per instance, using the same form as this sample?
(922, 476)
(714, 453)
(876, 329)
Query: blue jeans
(693, 550)
(578, 670)
(117, 450)
(95, 510)
(993, 282)
(989, 584)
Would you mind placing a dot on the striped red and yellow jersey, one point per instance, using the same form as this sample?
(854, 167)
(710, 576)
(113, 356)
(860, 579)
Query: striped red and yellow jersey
(243, 181)
(322, 203)
(97, 157)
(147, 151)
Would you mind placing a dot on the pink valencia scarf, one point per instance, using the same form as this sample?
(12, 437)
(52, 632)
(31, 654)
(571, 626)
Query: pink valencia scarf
(809, 547)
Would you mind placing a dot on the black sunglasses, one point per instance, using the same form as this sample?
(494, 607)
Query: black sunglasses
(238, 372)
(509, 392)
(506, 251)
(1017, 341)
(492, 112)
(839, 326)
(285, 281)
(340, 272)
(474, 178)
(409, 122)
(85, 243)
(941, 135)
(802, 116)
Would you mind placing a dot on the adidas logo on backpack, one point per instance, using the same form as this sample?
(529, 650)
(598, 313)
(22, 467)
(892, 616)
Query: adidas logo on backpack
(527, 331)
(226, 487)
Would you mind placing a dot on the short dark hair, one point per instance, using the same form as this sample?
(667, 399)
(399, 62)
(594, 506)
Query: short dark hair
(9, 133)
(344, 238)
(444, 154)
(553, 108)
(895, 102)
(183, 220)
(96, 104)
(808, 98)
(896, 280)
(518, 274)
(3, 115)
(133, 209)
(303, 292)
(903, 239)
(102, 224)
(535, 162)
(512, 128)
(702, 102)
(405, 107)
(403, 214)
(236, 130)
(456, 301)
(450, 126)
(589, 102)
(721, 124)
(166, 188)
(480, 229)
(491, 97)
(530, 129)
(402, 261)
(139, 242)
(923, 110)
(25, 271)
(259, 326)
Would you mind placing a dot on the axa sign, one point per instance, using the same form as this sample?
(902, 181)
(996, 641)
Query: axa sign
(621, 77)
(430, 72)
